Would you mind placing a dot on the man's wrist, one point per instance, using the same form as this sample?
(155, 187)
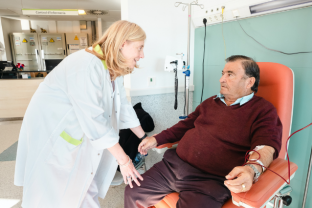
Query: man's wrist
(256, 173)
(258, 167)
(252, 172)
(156, 141)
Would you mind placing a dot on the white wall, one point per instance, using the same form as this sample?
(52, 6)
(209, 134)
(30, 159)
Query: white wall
(105, 26)
(2, 45)
(166, 30)
(9, 26)
(49, 26)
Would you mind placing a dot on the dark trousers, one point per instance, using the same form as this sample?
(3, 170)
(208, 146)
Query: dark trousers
(196, 188)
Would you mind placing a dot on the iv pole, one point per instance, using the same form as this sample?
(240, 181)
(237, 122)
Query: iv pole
(187, 71)
(307, 182)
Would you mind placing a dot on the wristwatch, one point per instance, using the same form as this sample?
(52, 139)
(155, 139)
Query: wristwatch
(145, 135)
(257, 173)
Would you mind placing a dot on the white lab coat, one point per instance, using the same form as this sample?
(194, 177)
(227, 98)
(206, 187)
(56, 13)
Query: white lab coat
(76, 97)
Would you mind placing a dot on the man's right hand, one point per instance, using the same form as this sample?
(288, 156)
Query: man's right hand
(147, 144)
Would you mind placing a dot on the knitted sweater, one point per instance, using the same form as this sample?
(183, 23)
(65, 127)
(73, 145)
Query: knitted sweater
(215, 137)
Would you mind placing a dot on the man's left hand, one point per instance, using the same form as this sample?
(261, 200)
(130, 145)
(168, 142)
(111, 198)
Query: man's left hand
(240, 179)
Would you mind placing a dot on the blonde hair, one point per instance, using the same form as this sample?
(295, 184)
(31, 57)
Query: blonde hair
(111, 42)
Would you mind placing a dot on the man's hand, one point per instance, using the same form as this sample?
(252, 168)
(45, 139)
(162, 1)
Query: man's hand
(239, 177)
(147, 144)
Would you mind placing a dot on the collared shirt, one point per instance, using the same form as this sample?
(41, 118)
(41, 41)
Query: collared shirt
(240, 101)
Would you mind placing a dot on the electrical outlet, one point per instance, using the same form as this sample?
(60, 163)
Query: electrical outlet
(215, 14)
(214, 10)
(151, 81)
(235, 13)
(215, 18)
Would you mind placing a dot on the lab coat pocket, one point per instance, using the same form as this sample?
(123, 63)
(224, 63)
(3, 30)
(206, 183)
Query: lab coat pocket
(64, 152)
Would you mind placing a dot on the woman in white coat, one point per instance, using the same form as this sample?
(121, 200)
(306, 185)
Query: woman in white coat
(68, 149)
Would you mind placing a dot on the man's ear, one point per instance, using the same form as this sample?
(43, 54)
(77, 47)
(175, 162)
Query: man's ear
(251, 82)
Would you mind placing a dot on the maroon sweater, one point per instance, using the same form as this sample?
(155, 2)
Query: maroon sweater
(215, 137)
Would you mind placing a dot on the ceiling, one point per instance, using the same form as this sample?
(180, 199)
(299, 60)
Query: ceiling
(13, 9)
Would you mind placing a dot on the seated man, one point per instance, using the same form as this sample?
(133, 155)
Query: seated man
(213, 141)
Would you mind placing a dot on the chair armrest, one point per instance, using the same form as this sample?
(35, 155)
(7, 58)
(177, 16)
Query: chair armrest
(162, 148)
(267, 186)
(169, 201)
(168, 145)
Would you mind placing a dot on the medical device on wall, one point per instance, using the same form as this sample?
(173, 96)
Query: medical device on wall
(173, 64)
(176, 84)
(43, 51)
(52, 47)
(244, 9)
(187, 71)
(76, 42)
(169, 67)
(25, 49)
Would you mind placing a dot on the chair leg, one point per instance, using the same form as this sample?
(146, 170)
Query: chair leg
(276, 202)
(144, 167)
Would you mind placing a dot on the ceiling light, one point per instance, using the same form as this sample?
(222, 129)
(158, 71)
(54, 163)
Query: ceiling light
(81, 12)
(97, 12)
(276, 4)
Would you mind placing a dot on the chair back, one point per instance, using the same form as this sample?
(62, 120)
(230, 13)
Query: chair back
(277, 86)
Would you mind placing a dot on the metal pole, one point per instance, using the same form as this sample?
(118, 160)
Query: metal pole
(188, 49)
(189, 34)
(307, 182)
(188, 59)
(276, 202)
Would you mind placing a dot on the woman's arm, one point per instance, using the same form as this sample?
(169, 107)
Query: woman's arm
(138, 131)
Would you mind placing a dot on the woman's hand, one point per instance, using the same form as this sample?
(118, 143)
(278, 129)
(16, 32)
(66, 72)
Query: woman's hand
(126, 167)
(147, 144)
(129, 172)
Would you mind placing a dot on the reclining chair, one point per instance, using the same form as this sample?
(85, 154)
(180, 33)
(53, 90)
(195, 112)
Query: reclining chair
(276, 86)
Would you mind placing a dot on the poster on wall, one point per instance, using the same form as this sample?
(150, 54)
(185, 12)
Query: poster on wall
(83, 41)
(73, 48)
(44, 39)
(17, 41)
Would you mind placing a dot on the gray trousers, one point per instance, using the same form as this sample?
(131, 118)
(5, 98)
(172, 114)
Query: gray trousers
(196, 188)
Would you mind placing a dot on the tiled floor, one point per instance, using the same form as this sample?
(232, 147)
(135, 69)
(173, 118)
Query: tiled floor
(9, 131)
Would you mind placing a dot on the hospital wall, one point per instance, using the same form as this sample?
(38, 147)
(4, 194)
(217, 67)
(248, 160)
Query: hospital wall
(166, 30)
(288, 31)
(166, 34)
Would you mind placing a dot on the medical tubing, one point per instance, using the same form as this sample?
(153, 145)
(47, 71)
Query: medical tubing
(201, 99)
(249, 161)
(267, 47)
(184, 94)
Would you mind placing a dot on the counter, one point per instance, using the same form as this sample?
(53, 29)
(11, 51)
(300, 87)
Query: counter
(15, 95)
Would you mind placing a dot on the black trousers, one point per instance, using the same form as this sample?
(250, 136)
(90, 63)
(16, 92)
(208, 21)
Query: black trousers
(196, 188)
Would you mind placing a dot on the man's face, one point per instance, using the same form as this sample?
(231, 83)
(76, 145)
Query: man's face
(234, 82)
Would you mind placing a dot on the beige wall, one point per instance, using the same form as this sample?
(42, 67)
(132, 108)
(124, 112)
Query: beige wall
(15, 95)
